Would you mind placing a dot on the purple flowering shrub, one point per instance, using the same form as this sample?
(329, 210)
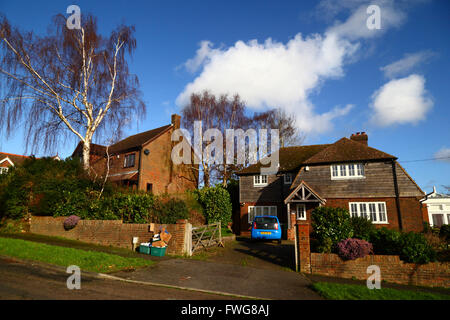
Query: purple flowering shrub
(351, 249)
(71, 222)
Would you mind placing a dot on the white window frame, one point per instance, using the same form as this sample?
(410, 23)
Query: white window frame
(342, 171)
(367, 209)
(301, 208)
(270, 211)
(258, 180)
(289, 180)
(4, 170)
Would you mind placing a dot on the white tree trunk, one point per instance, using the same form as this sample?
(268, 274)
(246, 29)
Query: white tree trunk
(86, 155)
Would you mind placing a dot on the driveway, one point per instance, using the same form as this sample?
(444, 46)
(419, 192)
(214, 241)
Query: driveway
(251, 269)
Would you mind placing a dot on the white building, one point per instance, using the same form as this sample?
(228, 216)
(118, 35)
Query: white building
(438, 205)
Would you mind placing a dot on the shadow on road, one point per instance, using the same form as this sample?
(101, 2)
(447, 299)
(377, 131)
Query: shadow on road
(271, 252)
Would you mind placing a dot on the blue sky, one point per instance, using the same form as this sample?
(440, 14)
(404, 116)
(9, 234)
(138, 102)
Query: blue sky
(322, 63)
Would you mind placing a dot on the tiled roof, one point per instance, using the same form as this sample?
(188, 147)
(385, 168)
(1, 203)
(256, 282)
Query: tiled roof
(290, 158)
(137, 140)
(347, 150)
(15, 158)
(343, 150)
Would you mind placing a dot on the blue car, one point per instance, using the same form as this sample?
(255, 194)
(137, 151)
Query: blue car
(266, 228)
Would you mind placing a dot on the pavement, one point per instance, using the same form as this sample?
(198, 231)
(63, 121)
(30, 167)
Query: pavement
(26, 280)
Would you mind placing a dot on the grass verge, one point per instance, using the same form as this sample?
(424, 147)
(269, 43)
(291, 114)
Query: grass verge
(62, 256)
(337, 291)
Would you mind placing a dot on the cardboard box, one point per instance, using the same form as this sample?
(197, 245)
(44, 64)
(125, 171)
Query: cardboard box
(165, 236)
(158, 244)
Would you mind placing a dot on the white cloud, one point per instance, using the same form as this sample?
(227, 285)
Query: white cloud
(406, 64)
(401, 101)
(443, 154)
(275, 74)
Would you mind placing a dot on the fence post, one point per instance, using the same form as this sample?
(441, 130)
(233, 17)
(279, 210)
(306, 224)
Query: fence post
(303, 256)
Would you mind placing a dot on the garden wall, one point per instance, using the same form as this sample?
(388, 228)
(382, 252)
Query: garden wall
(113, 232)
(435, 274)
(392, 269)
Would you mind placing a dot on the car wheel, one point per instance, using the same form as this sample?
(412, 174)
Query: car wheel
(279, 241)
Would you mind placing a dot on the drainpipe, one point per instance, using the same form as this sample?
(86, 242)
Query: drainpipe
(139, 168)
(397, 195)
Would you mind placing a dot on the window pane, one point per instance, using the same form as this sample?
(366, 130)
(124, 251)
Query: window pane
(354, 209)
(273, 211)
(335, 170)
(263, 179)
(382, 212)
(362, 210)
(265, 210)
(448, 219)
(360, 169)
(351, 170)
(372, 212)
(438, 220)
(342, 168)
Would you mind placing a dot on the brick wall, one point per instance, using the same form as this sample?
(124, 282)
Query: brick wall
(392, 269)
(111, 232)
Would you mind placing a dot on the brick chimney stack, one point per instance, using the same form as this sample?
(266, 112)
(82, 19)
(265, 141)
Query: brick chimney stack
(176, 120)
(361, 137)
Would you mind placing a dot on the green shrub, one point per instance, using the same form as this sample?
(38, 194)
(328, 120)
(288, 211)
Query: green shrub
(170, 211)
(385, 241)
(415, 248)
(216, 204)
(362, 228)
(410, 246)
(330, 225)
(444, 232)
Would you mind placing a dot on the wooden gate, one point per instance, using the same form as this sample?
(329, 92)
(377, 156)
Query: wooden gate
(206, 236)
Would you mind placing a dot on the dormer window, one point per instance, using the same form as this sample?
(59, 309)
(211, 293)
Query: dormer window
(287, 178)
(259, 181)
(347, 171)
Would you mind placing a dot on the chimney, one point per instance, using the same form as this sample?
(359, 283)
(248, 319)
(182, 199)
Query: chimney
(360, 137)
(176, 119)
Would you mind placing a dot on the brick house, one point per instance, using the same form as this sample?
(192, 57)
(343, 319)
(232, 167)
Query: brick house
(143, 161)
(8, 160)
(347, 174)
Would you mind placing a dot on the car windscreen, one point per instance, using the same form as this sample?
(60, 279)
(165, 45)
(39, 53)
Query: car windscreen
(265, 220)
(266, 223)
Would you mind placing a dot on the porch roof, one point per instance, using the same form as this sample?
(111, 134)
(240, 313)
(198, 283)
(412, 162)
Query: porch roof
(304, 193)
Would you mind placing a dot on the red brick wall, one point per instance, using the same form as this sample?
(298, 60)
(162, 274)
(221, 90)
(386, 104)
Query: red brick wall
(392, 269)
(110, 232)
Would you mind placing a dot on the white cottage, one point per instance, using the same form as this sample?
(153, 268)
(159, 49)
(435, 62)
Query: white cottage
(438, 205)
